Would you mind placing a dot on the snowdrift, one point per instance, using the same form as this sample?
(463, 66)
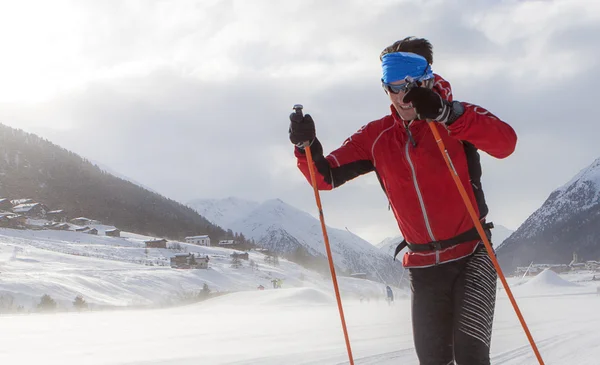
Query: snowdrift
(548, 279)
(273, 297)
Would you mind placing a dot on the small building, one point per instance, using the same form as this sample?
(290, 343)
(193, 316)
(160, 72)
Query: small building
(592, 265)
(16, 202)
(5, 204)
(93, 231)
(189, 261)
(113, 232)
(160, 243)
(36, 210)
(56, 215)
(82, 229)
(60, 227)
(227, 243)
(5, 218)
(12, 220)
(82, 221)
(202, 240)
(242, 256)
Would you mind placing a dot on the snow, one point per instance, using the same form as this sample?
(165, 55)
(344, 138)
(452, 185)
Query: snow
(286, 326)
(298, 324)
(115, 271)
(548, 279)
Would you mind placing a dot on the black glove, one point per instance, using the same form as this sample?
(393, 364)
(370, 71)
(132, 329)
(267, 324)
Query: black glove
(428, 104)
(302, 129)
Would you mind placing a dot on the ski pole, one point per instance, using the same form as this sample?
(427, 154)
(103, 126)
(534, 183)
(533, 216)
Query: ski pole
(483, 236)
(298, 108)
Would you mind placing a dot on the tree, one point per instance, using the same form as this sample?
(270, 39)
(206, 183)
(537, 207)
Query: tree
(236, 263)
(205, 292)
(7, 302)
(253, 265)
(79, 303)
(47, 303)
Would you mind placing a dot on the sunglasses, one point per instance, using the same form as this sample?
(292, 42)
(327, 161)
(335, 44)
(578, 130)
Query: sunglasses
(396, 89)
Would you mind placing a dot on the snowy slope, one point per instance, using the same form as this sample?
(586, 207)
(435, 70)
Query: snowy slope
(567, 222)
(111, 271)
(279, 227)
(296, 326)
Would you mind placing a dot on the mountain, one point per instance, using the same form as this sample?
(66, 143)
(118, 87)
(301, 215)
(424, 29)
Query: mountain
(223, 212)
(567, 222)
(32, 167)
(388, 245)
(295, 234)
(500, 234)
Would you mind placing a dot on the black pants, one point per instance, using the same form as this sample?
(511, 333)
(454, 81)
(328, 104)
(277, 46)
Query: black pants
(453, 310)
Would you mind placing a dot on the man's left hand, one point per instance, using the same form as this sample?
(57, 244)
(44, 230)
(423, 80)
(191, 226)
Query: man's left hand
(428, 104)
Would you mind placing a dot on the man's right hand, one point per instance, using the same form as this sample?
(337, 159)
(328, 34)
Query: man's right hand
(302, 129)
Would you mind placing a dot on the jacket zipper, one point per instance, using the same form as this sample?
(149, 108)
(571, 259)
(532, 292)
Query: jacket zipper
(419, 195)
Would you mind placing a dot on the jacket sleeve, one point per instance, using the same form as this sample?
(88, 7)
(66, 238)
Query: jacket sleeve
(485, 131)
(352, 159)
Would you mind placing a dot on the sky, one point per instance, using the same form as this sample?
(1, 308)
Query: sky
(191, 99)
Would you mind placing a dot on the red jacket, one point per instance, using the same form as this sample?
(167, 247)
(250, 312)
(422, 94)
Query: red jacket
(414, 174)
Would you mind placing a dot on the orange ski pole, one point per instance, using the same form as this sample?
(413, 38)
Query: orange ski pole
(311, 169)
(483, 236)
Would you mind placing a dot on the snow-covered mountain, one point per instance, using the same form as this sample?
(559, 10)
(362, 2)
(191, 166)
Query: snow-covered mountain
(388, 245)
(223, 212)
(500, 234)
(567, 222)
(281, 228)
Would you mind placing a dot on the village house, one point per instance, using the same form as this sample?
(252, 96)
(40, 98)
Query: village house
(87, 230)
(56, 215)
(113, 232)
(32, 210)
(202, 240)
(189, 261)
(158, 243)
(6, 219)
(12, 220)
(5, 204)
(16, 202)
(61, 227)
(83, 221)
(592, 265)
(227, 243)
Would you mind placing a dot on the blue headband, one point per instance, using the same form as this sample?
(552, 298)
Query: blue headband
(398, 65)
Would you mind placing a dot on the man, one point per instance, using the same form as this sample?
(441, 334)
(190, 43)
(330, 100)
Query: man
(453, 281)
(390, 294)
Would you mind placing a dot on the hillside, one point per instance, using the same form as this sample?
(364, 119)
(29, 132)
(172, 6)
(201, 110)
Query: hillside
(31, 167)
(568, 222)
(295, 234)
(121, 272)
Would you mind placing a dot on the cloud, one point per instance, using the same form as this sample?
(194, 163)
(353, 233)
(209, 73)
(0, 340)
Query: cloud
(192, 98)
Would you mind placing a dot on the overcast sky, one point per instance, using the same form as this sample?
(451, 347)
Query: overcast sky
(191, 98)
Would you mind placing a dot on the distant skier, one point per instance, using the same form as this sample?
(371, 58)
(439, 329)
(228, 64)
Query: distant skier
(453, 280)
(390, 294)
